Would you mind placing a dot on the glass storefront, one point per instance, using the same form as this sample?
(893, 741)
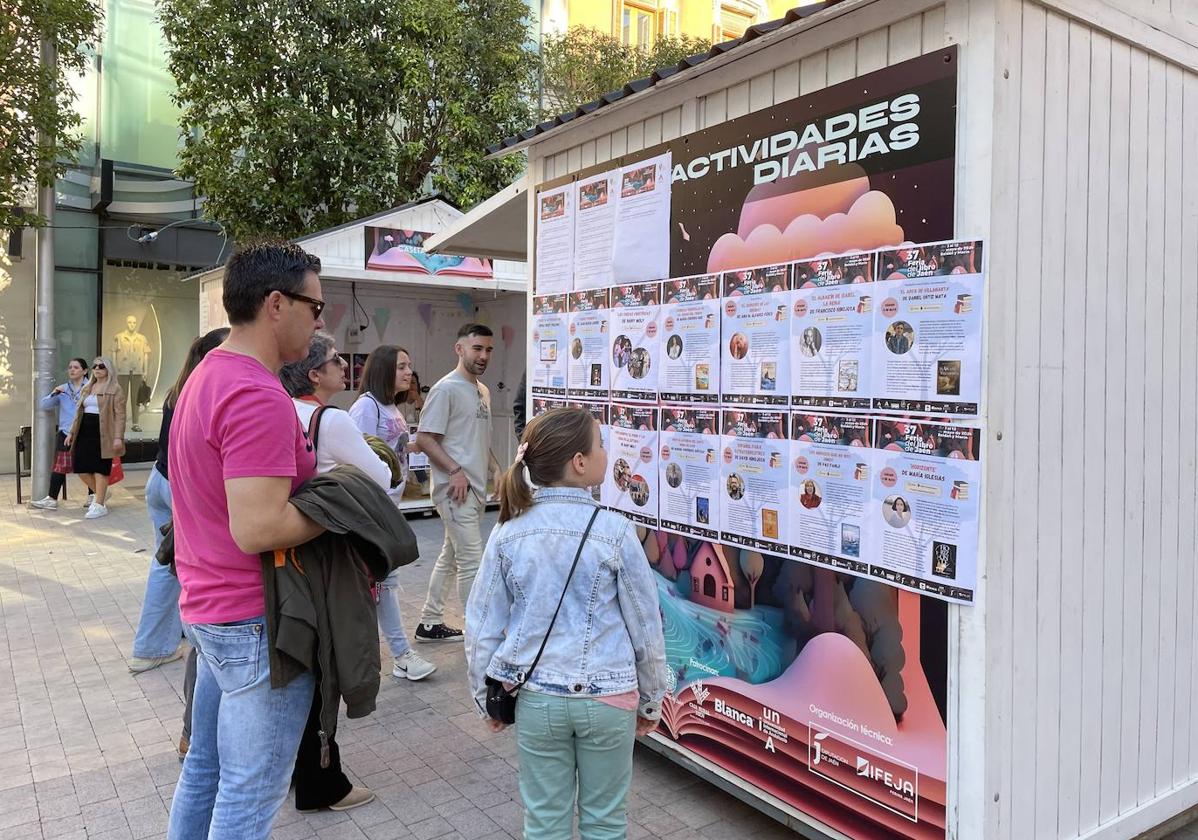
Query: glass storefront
(150, 317)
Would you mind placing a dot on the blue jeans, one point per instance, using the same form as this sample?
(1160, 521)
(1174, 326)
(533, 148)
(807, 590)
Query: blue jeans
(244, 737)
(390, 621)
(159, 629)
(572, 746)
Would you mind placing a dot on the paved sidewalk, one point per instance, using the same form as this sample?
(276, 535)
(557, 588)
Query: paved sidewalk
(88, 750)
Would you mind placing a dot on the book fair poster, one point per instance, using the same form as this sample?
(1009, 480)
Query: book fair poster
(631, 483)
(927, 343)
(830, 460)
(635, 342)
(550, 345)
(832, 331)
(753, 456)
(642, 239)
(555, 241)
(588, 369)
(754, 363)
(690, 471)
(808, 674)
(598, 198)
(690, 327)
(923, 517)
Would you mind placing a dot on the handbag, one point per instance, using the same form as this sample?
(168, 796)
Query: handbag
(64, 464)
(143, 394)
(501, 701)
(117, 474)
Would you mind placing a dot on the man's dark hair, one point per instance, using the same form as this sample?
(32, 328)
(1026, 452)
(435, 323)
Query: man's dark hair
(256, 270)
(475, 329)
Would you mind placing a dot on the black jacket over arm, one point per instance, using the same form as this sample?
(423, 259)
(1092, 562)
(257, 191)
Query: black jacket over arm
(320, 613)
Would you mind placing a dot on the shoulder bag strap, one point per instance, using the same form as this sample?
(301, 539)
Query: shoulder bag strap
(565, 588)
(314, 425)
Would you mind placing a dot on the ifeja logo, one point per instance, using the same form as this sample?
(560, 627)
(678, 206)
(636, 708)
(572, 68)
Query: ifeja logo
(882, 776)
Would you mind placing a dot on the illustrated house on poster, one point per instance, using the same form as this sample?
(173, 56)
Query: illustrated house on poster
(712, 584)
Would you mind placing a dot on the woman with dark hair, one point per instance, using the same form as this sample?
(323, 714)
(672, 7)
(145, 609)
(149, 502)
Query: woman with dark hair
(98, 432)
(388, 372)
(64, 400)
(160, 628)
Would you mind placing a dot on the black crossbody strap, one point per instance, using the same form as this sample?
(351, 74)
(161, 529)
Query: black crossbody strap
(565, 588)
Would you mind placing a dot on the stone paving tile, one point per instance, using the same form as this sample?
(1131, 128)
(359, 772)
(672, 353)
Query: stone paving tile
(87, 751)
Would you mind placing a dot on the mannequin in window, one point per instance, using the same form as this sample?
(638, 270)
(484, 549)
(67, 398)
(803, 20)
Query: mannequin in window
(131, 352)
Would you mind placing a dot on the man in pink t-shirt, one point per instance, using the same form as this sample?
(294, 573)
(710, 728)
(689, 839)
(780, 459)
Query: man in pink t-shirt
(237, 454)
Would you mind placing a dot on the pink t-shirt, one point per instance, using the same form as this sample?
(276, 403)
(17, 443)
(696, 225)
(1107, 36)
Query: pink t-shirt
(233, 420)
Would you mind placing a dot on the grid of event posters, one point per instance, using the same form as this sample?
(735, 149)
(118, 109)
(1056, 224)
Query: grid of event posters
(824, 409)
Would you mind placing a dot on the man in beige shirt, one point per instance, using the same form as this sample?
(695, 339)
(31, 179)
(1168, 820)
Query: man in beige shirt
(131, 353)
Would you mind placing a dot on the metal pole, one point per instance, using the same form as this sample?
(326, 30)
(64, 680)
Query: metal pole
(45, 347)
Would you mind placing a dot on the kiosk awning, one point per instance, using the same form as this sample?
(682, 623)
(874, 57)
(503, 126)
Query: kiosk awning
(497, 228)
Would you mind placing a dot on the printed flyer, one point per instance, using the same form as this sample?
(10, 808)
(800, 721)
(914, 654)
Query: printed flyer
(598, 410)
(595, 230)
(690, 320)
(754, 363)
(642, 249)
(829, 489)
(587, 371)
(631, 483)
(555, 241)
(755, 451)
(542, 404)
(690, 471)
(927, 345)
(923, 513)
(635, 342)
(550, 340)
(831, 332)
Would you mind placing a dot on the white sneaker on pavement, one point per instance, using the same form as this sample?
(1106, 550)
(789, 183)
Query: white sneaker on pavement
(412, 666)
(47, 503)
(90, 500)
(96, 511)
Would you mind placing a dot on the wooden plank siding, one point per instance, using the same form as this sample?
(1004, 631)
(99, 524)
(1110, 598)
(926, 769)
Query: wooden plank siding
(1081, 723)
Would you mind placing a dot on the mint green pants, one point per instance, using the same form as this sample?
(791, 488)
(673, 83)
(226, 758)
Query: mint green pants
(572, 746)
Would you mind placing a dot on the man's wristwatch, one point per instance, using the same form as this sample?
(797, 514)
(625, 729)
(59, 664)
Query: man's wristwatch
(455, 470)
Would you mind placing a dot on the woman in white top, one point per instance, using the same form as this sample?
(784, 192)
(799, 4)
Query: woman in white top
(312, 382)
(388, 371)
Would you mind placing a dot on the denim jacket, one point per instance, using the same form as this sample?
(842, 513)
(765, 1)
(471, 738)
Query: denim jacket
(608, 637)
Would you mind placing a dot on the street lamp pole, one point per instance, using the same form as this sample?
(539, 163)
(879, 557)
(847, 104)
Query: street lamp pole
(45, 346)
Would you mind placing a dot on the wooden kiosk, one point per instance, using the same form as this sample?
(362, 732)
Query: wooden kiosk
(1058, 702)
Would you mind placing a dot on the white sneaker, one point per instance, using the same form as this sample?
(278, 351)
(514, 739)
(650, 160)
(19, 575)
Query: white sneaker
(412, 666)
(90, 500)
(47, 503)
(96, 511)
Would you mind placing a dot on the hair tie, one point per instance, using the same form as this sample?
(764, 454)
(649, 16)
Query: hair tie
(520, 450)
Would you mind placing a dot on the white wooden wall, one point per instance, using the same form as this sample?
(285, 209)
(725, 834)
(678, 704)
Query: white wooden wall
(1071, 681)
(1093, 382)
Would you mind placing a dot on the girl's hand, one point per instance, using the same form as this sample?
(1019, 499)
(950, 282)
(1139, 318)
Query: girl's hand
(495, 726)
(67, 442)
(117, 443)
(644, 726)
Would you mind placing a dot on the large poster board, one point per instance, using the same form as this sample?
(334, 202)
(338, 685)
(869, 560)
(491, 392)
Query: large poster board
(807, 673)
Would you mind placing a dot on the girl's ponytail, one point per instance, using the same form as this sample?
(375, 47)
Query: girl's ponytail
(550, 441)
(515, 496)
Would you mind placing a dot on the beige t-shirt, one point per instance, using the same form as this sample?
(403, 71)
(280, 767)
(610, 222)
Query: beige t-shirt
(460, 411)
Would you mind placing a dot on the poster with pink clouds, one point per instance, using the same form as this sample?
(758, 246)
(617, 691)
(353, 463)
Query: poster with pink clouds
(860, 165)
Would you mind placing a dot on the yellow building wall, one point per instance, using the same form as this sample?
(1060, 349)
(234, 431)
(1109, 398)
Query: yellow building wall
(697, 18)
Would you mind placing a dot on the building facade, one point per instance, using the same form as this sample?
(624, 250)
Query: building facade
(641, 22)
(119, 273)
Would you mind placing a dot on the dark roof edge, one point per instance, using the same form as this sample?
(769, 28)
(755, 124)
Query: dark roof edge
(408, 206)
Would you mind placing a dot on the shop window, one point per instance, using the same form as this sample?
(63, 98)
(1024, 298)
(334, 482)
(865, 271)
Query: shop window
(150, 317)
(639, 24)
(76, 303)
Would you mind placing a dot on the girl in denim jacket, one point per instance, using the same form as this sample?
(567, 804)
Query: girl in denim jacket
(602, 676)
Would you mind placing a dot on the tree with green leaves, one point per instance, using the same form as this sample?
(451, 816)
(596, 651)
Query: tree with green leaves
(298, 115)
(582, 64)
(39, 129)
